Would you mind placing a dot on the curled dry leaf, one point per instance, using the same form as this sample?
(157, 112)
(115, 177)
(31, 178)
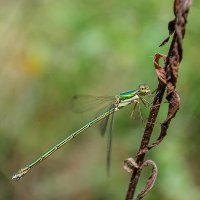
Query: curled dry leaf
(151, 180)
(174, 103)
(171, 28)
(182, 5)
(160, 70)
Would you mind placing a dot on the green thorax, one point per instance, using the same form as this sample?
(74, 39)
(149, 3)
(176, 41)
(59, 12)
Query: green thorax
(127, 95)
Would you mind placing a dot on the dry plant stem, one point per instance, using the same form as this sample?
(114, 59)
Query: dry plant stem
(145, 140)
(177, 29)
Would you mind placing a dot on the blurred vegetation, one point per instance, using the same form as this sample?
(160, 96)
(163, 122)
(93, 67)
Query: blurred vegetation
(51, 50)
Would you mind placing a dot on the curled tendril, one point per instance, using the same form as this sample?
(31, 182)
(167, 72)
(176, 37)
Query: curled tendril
(130, 165)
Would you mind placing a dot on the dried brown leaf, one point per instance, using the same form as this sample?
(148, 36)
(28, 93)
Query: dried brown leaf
(160, 70)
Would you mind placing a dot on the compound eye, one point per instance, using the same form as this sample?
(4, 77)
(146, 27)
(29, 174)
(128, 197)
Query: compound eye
(142, 88)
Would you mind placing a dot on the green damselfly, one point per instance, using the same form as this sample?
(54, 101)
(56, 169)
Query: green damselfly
(119, 101)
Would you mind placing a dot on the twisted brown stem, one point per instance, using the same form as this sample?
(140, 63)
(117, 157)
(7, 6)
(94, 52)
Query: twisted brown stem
(167, 78)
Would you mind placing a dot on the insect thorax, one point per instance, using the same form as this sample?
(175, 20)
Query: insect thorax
(125, 102)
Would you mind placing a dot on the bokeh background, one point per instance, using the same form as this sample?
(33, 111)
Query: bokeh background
(51, 50)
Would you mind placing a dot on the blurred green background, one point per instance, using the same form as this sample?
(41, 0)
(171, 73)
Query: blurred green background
(51, 50)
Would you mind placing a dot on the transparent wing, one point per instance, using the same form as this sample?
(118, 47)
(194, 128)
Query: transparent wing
(85, 103)
(104, 122)
(103, 125)
(109, 145)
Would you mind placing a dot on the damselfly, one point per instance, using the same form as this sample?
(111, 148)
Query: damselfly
(122, 100)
